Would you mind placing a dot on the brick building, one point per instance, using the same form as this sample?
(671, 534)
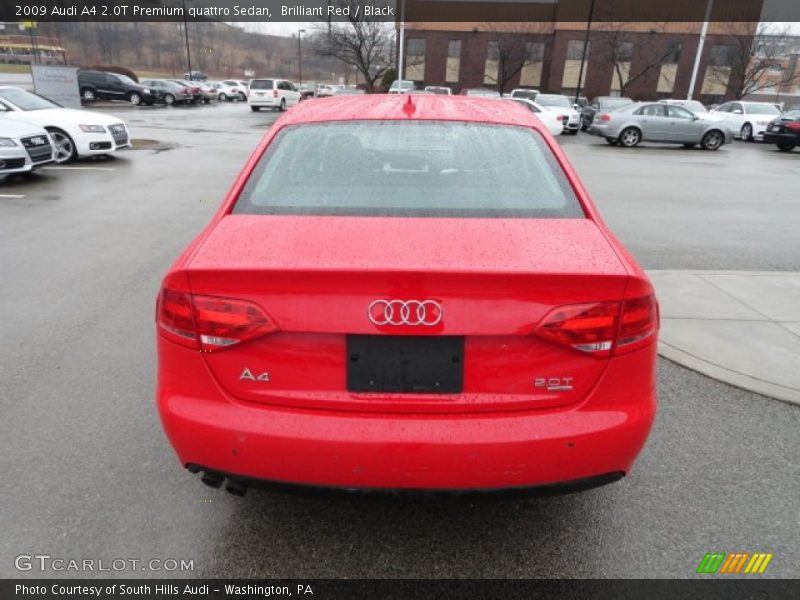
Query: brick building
(641, 59)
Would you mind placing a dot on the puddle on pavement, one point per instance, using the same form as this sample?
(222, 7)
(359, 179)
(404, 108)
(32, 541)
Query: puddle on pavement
(154, 146)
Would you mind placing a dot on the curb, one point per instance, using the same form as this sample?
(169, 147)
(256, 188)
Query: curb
(725, 375)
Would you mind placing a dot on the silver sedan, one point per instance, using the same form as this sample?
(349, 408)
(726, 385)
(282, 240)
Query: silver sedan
(658, 122)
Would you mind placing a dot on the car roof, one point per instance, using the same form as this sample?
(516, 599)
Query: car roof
(404, 107)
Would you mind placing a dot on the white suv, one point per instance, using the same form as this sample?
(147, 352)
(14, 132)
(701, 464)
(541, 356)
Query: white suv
(272, 93)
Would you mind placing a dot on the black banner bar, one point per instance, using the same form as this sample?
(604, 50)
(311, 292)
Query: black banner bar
(703, 588)
(398, 10)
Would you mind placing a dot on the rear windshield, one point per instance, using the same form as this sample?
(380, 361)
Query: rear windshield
(614, 102)
(261, 84)
(553, 100)
(762, 108)
(409, 169)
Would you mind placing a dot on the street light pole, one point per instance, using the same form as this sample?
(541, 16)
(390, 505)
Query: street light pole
(585, 49)
(300, 56)
(186, 37)
(700, 45)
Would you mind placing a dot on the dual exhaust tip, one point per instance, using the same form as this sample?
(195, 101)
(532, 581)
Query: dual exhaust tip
(215, 480)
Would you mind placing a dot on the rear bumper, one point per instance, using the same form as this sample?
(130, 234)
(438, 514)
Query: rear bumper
(782, 138)
(602, 434)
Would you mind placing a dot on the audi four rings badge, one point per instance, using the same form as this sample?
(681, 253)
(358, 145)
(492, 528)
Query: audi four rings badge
(405, 312)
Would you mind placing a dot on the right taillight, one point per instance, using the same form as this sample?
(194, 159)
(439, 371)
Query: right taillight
(602, 328)
(605, 117)
(274, 93)
(209, 323)
(638, 323)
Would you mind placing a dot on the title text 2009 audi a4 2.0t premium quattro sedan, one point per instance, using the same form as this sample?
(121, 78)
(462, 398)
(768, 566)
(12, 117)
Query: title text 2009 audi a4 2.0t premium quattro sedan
(407, 293)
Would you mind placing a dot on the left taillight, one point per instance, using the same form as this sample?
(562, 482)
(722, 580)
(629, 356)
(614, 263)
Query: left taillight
(209, 323)
(603, 328)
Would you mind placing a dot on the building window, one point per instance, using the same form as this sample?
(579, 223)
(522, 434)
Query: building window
(415, 60)
(531, 73)
(624, 52)
(572, 65)
(453, 66)
(673, 52)
(669, 68)
(575, 50)
(492, 68)
(718, 70)
(721, 56)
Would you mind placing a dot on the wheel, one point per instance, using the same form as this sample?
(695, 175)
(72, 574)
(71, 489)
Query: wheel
(283, 105)
(223, 97)
(242, 97)
(712, 140)
(785, 147)
(135, 98)
(747, 132)
(630, 137)
(611, 141)
(169, 99)
(255, 108)
(88, 95)
(65, 146)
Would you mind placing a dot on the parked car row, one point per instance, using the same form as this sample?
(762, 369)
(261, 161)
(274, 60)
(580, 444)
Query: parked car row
(102, 85)
(35, 131)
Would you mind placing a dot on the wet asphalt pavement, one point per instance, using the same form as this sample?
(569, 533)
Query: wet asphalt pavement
(88, 472)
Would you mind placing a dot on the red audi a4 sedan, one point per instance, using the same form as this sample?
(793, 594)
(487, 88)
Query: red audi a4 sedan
(407, 293)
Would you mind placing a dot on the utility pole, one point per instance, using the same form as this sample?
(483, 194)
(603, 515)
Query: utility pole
(585, 50)
(186, 37)
(300, 56)
(700, 45)
(400, 53)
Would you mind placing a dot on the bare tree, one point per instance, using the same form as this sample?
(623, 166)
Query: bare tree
(357, 42)
(511, 47)
(749, 63)
(631, 61)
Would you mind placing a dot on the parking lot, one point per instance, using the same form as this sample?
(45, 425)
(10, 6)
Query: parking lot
(89, 473)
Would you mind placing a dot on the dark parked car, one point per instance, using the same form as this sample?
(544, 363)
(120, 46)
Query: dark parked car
(168, 92)
(195, 76)
(601, 104)
(100, 85)
(784, 131)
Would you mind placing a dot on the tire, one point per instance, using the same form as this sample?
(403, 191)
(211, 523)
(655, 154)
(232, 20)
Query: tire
(223, 97)
(747, 132)
(282, 107)
(65, 145)
(611, 141)
(630, 137)
(88, 95)
(135, 98)
(712, 140)
(785, 147)
(169, 99)
(255, 108)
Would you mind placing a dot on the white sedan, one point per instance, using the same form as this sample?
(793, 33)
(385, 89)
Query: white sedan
(747, 120)
(23, 147)
(570, 117)
(552, 120)
(75, 133)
